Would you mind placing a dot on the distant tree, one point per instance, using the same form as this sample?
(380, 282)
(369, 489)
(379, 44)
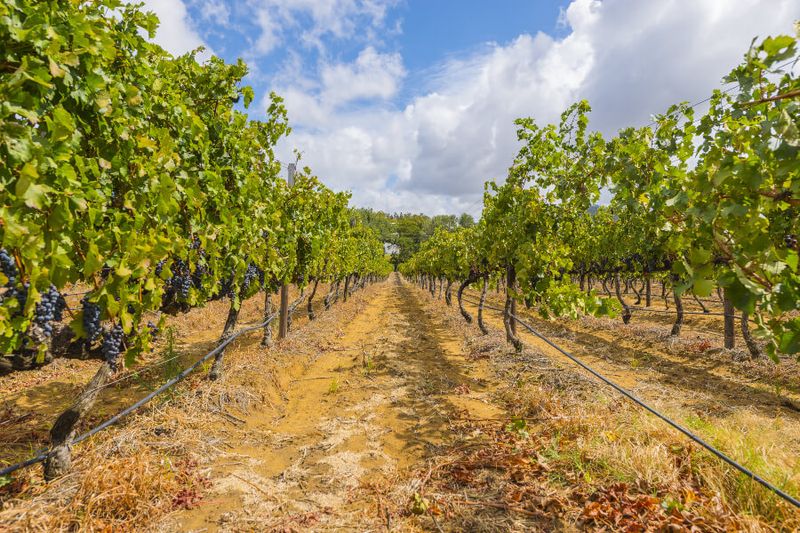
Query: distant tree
(407, 231)
(466, 220)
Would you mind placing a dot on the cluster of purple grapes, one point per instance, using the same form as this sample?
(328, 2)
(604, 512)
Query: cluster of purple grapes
(50, 309)
(252, 274)
(91, 320)
(180, 282)
(225, 288)
(9, 267)
(153, 329)
(790, 241)
(20, 293)
(112, 344)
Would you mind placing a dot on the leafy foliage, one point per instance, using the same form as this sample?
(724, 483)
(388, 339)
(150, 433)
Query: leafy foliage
(135, 173)
(710, 202)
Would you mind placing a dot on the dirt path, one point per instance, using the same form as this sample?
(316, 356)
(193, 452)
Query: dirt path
(376, 402)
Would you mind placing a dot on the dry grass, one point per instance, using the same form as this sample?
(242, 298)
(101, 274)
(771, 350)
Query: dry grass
(156, 464)
(570, 456)
(579, 456)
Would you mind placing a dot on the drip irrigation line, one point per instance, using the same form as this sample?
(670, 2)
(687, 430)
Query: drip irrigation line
(668, 311)
(43, 455)
(744, 470)
(672, 312)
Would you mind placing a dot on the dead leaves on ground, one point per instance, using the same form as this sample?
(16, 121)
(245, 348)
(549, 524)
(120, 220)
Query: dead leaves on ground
(498, 472)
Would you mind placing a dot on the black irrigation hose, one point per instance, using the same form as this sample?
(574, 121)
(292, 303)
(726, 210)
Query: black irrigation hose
(671, 312)
(668, 311)
(752, 475)
(122, 414)
(44, 454)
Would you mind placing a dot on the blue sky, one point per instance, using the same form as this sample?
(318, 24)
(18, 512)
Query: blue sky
(410, 104)
(425, 33)
(434, 30)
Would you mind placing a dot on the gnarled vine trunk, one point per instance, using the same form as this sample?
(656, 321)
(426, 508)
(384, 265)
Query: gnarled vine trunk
(227, 331)
(604, 283)
(700, 303)
(752, 346)
(266, 339)
(448, 295)
(460, 293)
(64, 429)
(310, 307)
(333, 294)
(481, 323)
(676, 327)
(510, 310)
(626, 310)
(637, 292)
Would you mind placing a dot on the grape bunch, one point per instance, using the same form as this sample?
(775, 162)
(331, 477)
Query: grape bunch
(112, 344)
(20, 293)
(790, 241)
(153, 329)
(225, 288)
(9, 267)
(252, 273)
(50, 309)
(180, 282)
(91, 320)
(200, 272)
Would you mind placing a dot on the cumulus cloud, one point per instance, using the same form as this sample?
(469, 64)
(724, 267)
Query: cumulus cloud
(371, 75)
(629, 58)
(339, 19)
(176, 33)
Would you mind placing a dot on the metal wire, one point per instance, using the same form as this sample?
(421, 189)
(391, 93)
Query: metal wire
(744, 470)
(43, 455)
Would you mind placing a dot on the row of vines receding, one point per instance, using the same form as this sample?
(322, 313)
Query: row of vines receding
(136, 180)
(700, 204)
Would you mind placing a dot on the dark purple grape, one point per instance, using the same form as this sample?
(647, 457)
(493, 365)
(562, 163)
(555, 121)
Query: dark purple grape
(91, 320)
(49, 309)
(9, 267)
(112, 344)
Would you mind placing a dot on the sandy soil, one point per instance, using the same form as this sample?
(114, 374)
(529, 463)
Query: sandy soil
(389, 411)
(373, 404)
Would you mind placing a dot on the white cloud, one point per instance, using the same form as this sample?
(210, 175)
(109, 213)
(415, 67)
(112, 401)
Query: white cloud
(372, 75)
(176, 33)
(631, 59)
(339, 19)
(214, 11)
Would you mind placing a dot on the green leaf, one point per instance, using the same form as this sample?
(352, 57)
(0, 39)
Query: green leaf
(248, 96)
(772, 45)
(703, 287)
(94, 261)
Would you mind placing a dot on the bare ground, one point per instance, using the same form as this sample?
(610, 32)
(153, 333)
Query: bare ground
(391, 413)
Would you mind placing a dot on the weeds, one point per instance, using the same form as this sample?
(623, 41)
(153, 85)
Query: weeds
(333, 388)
